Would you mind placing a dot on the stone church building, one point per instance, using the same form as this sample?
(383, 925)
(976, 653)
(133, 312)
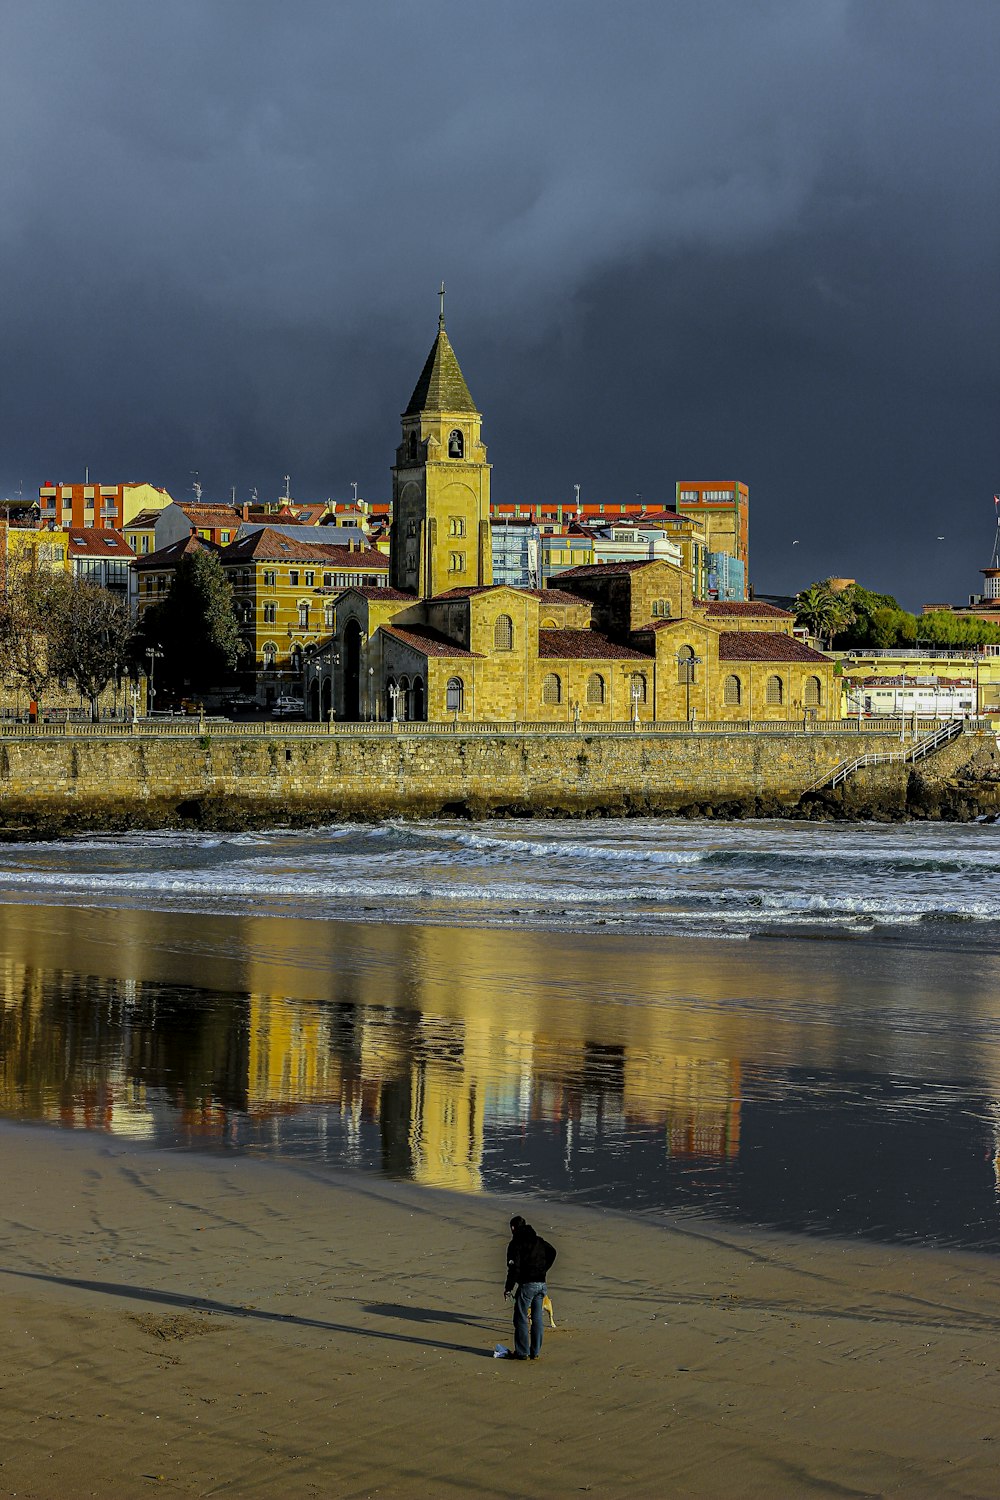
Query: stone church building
(614, 642)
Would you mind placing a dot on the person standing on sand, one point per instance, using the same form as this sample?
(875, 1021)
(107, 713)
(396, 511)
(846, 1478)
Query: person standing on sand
(528, 1260)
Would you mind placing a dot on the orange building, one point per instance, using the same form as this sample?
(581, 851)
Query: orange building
(99, 505)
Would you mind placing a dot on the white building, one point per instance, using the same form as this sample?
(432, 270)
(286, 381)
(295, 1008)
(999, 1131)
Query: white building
(930, 697)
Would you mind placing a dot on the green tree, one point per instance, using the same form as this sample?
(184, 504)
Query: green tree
(823, 611)
(195, 627)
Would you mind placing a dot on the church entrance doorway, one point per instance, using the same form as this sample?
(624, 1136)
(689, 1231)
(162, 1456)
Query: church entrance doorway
(352, 670)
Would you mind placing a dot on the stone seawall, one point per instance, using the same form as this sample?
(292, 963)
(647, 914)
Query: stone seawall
(235, 780)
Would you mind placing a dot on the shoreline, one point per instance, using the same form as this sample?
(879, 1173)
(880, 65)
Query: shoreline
(917, 801)
(228, 1325)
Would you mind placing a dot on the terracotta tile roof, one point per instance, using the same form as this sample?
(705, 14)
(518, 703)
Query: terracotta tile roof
(584, 645)
(597, 570)
(270, 545)
(747, 609)
(168, 557)
(765, 645)
(375, 591)
(211, 515)
(467, 591)
(428, 642)
(555, 596)
(99, 541)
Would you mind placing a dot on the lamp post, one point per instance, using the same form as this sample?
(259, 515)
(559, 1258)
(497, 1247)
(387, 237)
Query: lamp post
(334, 660)
(394, 692)
(636, 695)
(371, 689)
(152, 652)
(688, 664)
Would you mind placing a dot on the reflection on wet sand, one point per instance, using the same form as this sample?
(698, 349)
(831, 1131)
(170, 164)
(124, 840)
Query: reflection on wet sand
(805, 1083)
(146, 1056)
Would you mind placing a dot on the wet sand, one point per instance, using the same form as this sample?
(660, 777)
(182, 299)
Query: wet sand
(198, 1326)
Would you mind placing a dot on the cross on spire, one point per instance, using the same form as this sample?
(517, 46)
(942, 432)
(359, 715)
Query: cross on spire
(441, 313)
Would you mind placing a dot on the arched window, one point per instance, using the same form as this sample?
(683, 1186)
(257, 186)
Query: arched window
(412, 447)
(455, 695)
(548, 624)
(403, 710)
(551, 688)
(456, 443)
(417, 700)
(637, 687)
(661, 609)
(269, 652)
(503, 633)
(813, 695)
(732, 692)
(595, 688)
(685, 665)
(775, 690)
(296, 658)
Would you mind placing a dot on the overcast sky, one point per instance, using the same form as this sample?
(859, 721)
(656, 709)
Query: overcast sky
(748, 239)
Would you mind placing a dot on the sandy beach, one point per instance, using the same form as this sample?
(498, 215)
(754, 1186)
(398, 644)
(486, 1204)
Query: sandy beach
(199, 1325)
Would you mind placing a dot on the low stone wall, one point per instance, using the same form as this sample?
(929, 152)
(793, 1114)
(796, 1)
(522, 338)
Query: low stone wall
(233, 780)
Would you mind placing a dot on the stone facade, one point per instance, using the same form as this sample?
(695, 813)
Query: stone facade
(153, 779)
(619, 641)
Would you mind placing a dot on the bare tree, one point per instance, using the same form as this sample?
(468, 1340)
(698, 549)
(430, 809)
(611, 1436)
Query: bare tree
(92, 637)
(28, 606)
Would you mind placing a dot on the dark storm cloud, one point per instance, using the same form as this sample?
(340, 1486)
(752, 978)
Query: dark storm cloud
(709, 240)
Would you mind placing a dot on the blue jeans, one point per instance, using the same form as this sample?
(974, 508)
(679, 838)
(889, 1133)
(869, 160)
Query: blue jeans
(528, 1297)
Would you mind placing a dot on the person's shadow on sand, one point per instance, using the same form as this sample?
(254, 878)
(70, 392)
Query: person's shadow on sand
(424, 1314)
(233, 1310)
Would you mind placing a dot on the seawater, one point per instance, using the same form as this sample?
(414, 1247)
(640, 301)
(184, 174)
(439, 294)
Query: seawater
(787, 1025)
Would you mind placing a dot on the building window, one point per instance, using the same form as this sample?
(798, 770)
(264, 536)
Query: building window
(455, 695)
(456, 562)
(224, 537)
(269, 652)
(270, 579)
(775, 690)
(456, 526)
(328, 615)
(310, 580)
(813, 693)
(661, 609)
(685, 665)
(270, 614)
(732, 692)
(503, 633)
(637, 687)
(303, 617)
(552, 688)
(595, 688)
(293, 578)
(328, 580)
(456, 443)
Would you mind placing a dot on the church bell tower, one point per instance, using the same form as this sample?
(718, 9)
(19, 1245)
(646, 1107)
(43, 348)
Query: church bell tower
(440, 536)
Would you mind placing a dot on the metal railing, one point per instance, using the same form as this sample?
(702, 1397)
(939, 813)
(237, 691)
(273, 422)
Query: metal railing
(921, 748)
(209, 728)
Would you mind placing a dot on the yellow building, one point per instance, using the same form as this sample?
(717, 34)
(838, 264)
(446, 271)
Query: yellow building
(283, 590)
(610, 642)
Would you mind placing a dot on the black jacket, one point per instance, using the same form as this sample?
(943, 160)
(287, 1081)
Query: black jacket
(528, 1257)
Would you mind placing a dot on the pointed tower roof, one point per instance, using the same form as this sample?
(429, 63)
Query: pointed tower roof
(441, 386)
